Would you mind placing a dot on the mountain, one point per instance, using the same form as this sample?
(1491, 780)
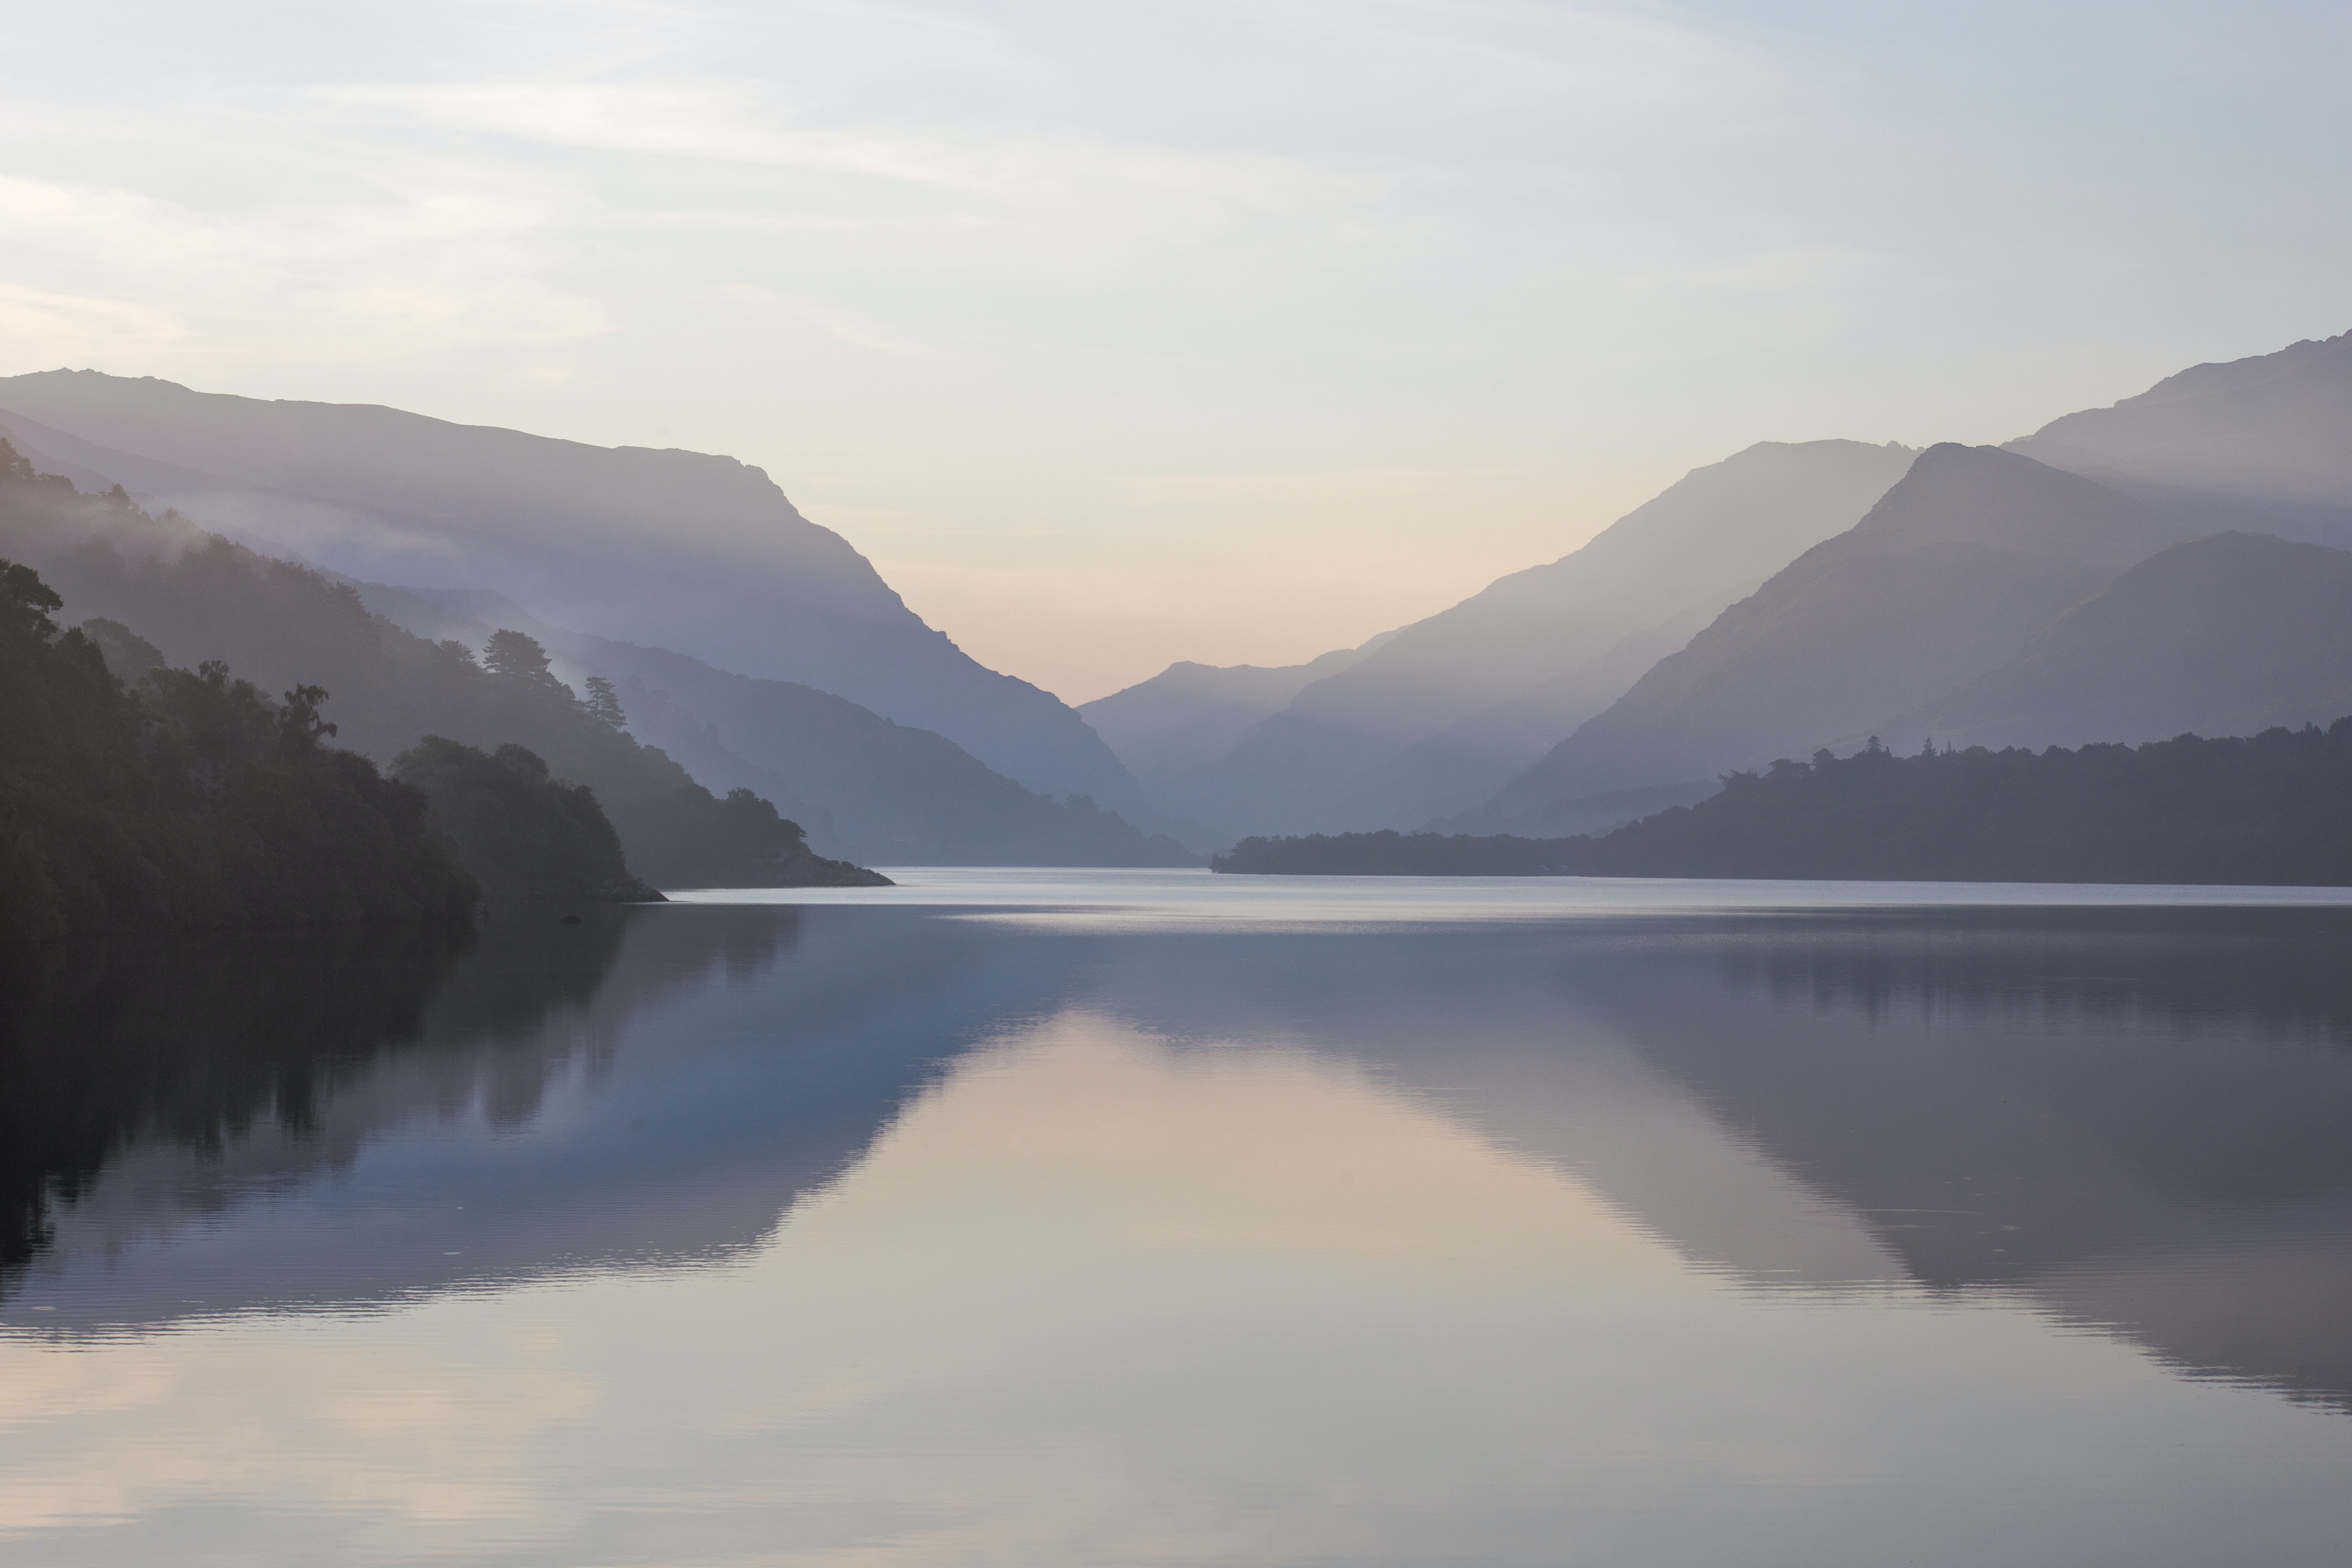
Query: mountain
(677, 548)
(1706, 540)
(187, 597)
(2275, 427)
(866, 788)
(1974, 552)
(1438, 715)
(2230, 635)
(1188, 715)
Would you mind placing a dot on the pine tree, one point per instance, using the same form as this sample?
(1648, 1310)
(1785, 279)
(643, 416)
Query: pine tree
(518, 657)
(605, 702)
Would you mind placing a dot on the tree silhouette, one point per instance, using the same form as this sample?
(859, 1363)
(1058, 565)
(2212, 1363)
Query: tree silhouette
(518, 657)
(192, 801)
(605, 702)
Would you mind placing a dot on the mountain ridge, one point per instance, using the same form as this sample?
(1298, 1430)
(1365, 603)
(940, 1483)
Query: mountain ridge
(663, 546)
(1973, 552)
(1444, 711)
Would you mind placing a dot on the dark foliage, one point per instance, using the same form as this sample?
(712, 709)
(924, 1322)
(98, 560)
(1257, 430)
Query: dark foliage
(605, 702)
(2274, 810)
(741, 842)
(529, 839)
(191, 1038)
(194, 802)
(200, 597)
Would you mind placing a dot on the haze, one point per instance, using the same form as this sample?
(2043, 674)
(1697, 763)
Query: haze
(1221, 332)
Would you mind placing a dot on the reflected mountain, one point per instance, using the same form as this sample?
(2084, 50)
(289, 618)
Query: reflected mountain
(2130, 1120)
(2139, 1118)
(2135, 1120)
(275, 1123)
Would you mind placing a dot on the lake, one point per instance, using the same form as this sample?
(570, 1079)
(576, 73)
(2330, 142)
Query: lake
(1038, 1218)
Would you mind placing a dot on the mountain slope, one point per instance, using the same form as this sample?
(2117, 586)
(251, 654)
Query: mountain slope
(1188, 715)
(2275, 425)
(868, 789)
(1704, 540)
(1444, 712)
(187, 597)
(1973, 552)
(2230, 635)
(686, 551)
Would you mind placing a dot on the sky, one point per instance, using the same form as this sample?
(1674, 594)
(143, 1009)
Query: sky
(1237, 332)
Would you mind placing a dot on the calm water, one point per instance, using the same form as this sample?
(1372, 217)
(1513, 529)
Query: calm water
(1111, 1218)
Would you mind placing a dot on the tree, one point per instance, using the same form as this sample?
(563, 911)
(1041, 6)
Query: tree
(518, 657)
(25, 601)
(605, 702)
(192, 801)
(299, 723)
(529, 839)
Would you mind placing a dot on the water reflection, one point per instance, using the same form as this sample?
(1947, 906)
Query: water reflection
(955, 1237)
(104, 1043)
(278, 1122)
(2140, 1118)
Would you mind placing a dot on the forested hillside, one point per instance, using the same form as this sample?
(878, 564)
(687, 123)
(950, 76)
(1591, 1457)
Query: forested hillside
(198, 598)
(197, 802)
(863, 786)
(685, 549)
(531, 837)
(2274, 810)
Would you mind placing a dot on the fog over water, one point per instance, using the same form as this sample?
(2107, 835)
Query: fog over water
(1107, 1217)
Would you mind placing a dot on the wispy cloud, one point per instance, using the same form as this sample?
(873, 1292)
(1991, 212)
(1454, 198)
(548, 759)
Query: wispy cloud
(102, 274)
(843, 326)
(1074, 171)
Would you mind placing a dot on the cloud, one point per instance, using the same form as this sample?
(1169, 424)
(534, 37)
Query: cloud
(718, 120)
(392, 271)
(843, 326)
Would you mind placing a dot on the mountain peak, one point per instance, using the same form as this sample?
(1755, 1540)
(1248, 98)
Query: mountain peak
(1983, 495)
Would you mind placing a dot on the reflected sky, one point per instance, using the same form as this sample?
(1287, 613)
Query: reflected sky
(936, 1234)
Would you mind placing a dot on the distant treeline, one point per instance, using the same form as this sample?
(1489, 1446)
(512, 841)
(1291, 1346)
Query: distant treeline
(2272, 810)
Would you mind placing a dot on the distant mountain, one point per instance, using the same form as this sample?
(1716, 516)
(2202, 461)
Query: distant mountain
(1188, 715)
(1437, 716)
(866, 788)
(676, 549)
(1973, 552)
(2275, 426)
(2227, 635)
(1706, 540)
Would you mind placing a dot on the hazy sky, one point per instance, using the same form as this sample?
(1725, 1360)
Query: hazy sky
(1119, 333)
